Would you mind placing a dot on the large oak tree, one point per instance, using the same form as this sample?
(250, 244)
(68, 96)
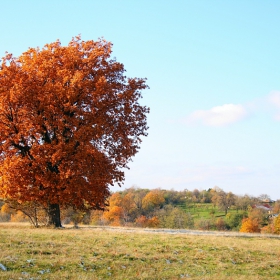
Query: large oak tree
(70, 121)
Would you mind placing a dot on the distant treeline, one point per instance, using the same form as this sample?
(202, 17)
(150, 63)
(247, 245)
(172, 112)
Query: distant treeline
(212, 209)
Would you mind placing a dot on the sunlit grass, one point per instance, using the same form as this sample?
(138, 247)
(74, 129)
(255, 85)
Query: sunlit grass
(96, 253)
(205, 210)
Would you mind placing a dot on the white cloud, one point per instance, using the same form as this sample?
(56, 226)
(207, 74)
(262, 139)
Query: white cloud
(219, 116)
(274, 99)
(274, 102)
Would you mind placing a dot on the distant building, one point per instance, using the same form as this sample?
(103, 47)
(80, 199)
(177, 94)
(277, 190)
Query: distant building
(264, 207)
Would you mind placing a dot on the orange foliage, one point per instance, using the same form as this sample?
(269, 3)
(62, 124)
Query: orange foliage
(257, 214)
(128, 202)
(6, 209)
(19, 217)
(269, 229)
(277, 224)
(119, 208)
(273, 226)
(115, 199)
(153, 199)
(70, 121)
(114, 215)
(143, 221)
(250, 225)
(153, 222)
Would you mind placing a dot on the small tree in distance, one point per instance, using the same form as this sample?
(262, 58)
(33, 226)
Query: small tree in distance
(222, 199)
(70, 121)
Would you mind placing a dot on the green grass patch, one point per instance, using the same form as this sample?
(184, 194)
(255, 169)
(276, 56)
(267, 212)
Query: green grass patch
(204, 210)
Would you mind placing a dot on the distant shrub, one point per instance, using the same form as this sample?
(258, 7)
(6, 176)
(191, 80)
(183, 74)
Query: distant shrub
(234, 220)
(204, 224)
(220, 224)
(269, 229)
(250, 225)
(143, 221)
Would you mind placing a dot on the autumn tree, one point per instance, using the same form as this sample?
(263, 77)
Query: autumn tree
(222, 199)
(33, 210)
(114, 215)
(152, 200)
(128, 206)
(70, 121)
(258, 214)
(138, 196)
(277, 224)
(115, 199)
(257, 218)
(114, 212)
(242, 202)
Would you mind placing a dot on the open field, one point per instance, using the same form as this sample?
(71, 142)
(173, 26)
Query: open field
(204, 210)
(100, 253)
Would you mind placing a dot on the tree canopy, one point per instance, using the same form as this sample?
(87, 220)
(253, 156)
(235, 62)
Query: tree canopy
(70, 121)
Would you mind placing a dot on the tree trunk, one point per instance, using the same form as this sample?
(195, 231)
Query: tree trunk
(36, 224)
(54, 215)
(226, 210)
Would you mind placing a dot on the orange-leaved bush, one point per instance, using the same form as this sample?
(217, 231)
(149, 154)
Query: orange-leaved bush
(250, 225)
(70, 121)
(143, 221)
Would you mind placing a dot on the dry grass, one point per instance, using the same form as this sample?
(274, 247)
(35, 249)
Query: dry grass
(105, 254)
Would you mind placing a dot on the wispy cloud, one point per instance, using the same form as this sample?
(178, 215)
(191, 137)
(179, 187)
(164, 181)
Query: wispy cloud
(218, 116)
(274, 99)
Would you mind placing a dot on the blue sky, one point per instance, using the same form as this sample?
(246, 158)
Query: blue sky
(213, 68)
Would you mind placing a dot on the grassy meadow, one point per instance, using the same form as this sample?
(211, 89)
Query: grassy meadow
(100, 253)
(205, 210)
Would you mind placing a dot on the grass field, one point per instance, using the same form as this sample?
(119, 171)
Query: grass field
(204, 210)
(96, 253)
